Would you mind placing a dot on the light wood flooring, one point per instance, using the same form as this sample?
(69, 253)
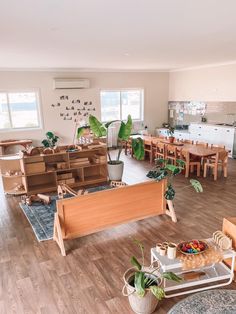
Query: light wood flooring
(35, 278)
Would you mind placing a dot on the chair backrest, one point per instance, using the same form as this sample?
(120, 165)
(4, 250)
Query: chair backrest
(171, 149)
(201, 144)
(217, 146)
(160, 147)
(187, 141)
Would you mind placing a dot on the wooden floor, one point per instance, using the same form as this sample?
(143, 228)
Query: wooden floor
(35, 278)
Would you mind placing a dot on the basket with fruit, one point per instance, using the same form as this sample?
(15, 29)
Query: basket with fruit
(192, 247)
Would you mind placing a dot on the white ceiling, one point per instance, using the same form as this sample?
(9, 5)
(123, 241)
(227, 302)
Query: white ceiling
(116, 34)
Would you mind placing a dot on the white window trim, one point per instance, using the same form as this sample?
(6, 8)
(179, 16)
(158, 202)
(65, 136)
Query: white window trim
(120, 90)
(39, 109)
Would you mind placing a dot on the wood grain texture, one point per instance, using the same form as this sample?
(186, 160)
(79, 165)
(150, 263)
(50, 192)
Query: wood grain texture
(35, 278)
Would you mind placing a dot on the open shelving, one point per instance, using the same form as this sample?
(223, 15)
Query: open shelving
(42, 173)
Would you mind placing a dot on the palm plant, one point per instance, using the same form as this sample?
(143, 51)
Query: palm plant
(100, 129)
(144, 280)
(165, 170)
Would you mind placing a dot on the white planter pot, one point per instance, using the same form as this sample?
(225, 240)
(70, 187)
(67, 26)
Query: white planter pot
(115, 171)
(140, 305)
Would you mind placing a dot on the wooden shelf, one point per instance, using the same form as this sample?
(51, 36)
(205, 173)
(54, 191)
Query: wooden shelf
(41, 187)
(13, 176)
(13, 192)
(46, 181)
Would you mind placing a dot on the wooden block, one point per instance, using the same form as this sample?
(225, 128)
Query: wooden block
(64, 176)
(30, 160)
(70, 181)
(35, 167)
(229, 228)
(61, 181)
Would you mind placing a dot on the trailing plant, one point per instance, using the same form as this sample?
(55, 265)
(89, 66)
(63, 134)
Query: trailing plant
(165, 170)
(144, 280)
(51, 140)
(100, 129)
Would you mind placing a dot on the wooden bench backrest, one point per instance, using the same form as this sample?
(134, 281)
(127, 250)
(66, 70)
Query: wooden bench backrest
(97, 211)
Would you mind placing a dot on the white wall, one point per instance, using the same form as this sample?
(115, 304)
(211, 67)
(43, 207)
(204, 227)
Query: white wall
(155, 87)
(206, 84)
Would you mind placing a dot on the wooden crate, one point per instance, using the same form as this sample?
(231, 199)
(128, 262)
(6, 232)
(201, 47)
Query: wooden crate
(34, 168)
(229, 228)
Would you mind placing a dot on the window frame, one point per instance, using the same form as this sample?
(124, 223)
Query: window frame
(125, 90)
(39, 109)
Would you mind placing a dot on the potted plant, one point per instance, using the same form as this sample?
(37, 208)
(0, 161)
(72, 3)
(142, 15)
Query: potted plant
(170, 133)
(51, 141)
(99, 129)
(165, 170)
(143, 285)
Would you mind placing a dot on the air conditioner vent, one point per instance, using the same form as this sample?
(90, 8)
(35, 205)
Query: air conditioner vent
(74, 83)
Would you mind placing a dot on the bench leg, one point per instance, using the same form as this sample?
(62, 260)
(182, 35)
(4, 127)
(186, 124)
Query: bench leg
(57, 235)
(171, 211)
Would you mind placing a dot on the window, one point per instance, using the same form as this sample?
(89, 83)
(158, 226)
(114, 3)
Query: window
(19, 110)
(117, 105)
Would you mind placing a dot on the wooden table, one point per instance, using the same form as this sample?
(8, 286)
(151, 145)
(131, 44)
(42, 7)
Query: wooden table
(200, 151)
(5, 144)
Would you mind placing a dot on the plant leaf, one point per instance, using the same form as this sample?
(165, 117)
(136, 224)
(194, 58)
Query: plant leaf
(171, 276)
(180, 163)
(196, 185)
(169, 193)
(138, 148)
(109, 123)
(45, 143)
(172, 168)
(139, 283)
(135, 262)
(80, 131)
(97, 127)
(50, 135)
(158, 292)
(125, 129)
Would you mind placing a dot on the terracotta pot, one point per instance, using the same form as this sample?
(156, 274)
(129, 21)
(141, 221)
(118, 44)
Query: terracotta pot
(171, 139)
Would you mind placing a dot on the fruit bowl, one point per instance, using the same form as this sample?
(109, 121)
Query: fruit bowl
(193, 247)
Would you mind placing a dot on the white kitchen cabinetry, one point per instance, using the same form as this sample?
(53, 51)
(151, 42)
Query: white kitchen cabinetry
(181, 135)
(162, 132)
(213, 134)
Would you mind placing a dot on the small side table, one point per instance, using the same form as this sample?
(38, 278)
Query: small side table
(216, 275)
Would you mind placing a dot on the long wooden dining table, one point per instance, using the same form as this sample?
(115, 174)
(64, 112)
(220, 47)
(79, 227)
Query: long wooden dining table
(193, 149)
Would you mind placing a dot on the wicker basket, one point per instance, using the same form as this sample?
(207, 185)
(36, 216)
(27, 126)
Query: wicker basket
(140, 305)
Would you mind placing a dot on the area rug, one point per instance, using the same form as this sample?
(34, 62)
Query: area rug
(207, 302)
(41, 217)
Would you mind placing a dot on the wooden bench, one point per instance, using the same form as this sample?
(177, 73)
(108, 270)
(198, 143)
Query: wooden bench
(86, 214)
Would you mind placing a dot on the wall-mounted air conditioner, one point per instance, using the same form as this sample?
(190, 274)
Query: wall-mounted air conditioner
(74, 83)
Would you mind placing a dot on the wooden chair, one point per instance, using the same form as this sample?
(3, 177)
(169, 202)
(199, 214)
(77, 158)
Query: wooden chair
(172, 153)
(187, 141)
(148, 149)
(159, 150)
(217, 146)
(201, 144)
(221, 160)
(190, 163)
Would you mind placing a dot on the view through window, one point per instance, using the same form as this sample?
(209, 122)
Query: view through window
(117, 105)
(19, 110)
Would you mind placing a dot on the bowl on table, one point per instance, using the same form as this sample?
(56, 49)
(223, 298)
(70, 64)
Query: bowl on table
(193, 247)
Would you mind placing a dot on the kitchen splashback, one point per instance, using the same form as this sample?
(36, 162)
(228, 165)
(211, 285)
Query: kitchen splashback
(185, 112)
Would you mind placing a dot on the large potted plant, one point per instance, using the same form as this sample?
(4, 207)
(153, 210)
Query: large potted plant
(143, 285)
(99, 129)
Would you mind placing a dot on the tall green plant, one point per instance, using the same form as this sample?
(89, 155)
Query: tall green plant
(144, 280)
(100, 129)
(165, 170)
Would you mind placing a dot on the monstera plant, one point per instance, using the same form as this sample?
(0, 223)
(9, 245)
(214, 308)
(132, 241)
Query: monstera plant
(165, 170)
(51, 140)
(99, 129)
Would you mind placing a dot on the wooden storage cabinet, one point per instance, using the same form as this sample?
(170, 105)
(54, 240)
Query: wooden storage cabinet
(41, 174)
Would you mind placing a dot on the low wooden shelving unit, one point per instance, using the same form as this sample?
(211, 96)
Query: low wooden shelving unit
(42, 173)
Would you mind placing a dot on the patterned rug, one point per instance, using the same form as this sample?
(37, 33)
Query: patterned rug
(41, 217)
(207, 302)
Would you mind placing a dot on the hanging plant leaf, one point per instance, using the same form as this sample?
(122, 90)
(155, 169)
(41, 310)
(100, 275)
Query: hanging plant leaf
(169, 193)
(135, 262)
(171, 276)
(125, 129)
(158, 292)
(138, 148)
(139, 283)
(196, 185)
(97, 127)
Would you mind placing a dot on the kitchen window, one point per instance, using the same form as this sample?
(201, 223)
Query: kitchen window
(118, 104)
(19, 110)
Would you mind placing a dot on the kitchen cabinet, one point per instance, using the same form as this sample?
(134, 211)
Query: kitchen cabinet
(181, 135)
(213, 134)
